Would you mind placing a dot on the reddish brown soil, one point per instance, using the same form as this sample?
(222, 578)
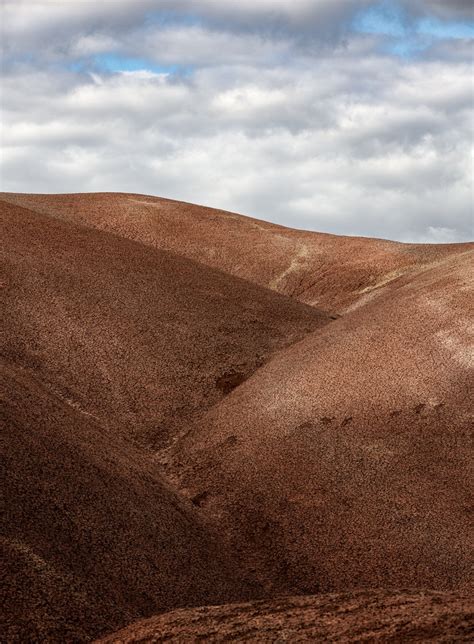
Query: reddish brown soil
(139, 337)
(93, 535)
(370, 616)
(356, 468)
(327, 271)
(104, 341)
(176, 436)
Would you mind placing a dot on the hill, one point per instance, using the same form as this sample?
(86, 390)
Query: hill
(109, 346)
(136, 336)
(181, 428)
(354, 470)
(364, 616)
(328, 271)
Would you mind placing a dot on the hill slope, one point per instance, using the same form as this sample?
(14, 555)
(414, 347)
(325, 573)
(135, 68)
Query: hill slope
(370, 616)
(136, 336)
(178, 436)
(108, 344)
(93, 536)
(328, 271)
(355, 468)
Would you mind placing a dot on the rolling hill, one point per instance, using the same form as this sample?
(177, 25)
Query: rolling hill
(109, 346)
(200, 408)
(355, 469)
(364, 616)
(327, 271)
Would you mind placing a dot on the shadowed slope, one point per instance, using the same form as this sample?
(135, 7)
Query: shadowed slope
(327, 271)
(355, 468)
(137, 337)
(104, 340)
(371, 616)
(93, 536)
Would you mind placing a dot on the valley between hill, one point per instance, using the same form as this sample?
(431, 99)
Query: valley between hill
(248, 431)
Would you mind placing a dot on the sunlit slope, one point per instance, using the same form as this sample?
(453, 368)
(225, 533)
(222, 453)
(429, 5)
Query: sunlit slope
(109, 348)
(176, 435)
(327, 271)
(347, 460)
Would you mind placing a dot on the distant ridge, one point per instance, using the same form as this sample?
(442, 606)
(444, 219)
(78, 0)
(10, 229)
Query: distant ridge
(330, 272)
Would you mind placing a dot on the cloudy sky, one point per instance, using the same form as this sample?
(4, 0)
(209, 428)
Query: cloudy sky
(344, 116)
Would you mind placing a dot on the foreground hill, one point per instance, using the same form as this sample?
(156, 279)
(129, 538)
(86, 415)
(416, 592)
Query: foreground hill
(355, 468)
(93, 535)
(364, 616)
(107, 345)
(327, 271)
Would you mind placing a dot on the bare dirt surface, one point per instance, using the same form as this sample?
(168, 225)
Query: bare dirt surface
(180, 429)
(356, 469)
(327, 271)
(108, 346)
(132, 335)
(93, 535)
(365, 616)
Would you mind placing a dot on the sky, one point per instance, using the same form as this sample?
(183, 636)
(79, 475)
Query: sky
(342, 116)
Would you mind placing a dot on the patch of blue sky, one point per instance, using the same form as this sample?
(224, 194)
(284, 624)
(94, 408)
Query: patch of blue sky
(120, 63)
(406, 47)
(439, 29)
(114, 63)
(403, 35)
(385, 18)
(76, 66)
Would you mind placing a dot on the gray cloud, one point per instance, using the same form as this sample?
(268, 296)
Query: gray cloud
(338, 138)
(449, 8)
(28, 17)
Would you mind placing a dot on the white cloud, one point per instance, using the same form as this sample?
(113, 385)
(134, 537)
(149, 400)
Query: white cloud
(337, 138)
(441, 235)
(95, 43)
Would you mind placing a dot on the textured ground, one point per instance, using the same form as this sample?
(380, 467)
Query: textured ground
(327, 271)
(109, 346)
(356, 467)
(93, 536)
(365, 616)
(177, 436)
(133, 335)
